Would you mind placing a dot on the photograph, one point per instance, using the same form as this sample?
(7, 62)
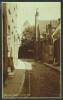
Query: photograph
(31, 44)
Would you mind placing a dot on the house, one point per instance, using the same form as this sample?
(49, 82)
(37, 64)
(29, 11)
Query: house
(10, 38)
(56, 39)
(43, 31)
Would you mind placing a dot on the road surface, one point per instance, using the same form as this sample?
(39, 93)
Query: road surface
(41, 81)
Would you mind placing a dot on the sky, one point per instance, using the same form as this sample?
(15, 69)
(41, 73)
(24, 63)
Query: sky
(47, 11)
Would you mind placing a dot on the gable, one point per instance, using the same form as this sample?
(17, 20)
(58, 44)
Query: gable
(43, 23)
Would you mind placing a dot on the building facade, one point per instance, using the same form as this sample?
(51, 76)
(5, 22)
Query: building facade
(5, 47)
(44, 46)
(10, 37)
(56, 41)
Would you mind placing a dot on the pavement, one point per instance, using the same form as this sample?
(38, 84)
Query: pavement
(14, 83)
(57, 68)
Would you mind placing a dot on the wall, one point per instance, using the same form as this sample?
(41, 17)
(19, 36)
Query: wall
(13, 32)
(5, 48)
(56, 40)
(10, 36)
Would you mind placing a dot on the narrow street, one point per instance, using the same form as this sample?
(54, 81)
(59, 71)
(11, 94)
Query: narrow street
(41, 81)
(31, 49)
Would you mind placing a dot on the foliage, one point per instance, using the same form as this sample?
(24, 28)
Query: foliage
(28, 35)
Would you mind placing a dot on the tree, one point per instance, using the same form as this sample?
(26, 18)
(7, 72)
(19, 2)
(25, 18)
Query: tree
(28, 35)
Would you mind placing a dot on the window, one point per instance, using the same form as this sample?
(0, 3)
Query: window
(14, 26)
(9, 11)
(8, 29)
(14, 8)
(12, 32)
(12, 21)
(14, 38)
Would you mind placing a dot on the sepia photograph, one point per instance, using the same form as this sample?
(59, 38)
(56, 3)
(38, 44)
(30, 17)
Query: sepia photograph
(31, 39)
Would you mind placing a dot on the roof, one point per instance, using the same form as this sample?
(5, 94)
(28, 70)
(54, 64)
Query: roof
(57, 31)
(43, 23)
(26, 23)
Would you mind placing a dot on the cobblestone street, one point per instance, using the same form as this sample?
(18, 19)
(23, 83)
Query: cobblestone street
(41, 81)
